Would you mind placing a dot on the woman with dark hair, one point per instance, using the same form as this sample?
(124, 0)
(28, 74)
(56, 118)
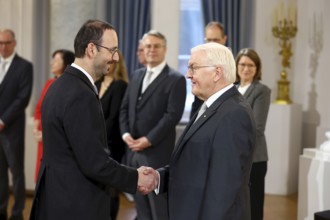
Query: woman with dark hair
(248, 75)
(60, 59)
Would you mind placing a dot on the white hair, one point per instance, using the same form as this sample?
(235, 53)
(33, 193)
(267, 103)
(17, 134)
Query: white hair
(219, 55)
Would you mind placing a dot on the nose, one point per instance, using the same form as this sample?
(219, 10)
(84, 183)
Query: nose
(115, 57)
(188, 74)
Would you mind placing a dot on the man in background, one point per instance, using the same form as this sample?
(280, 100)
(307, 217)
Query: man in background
(140, 54)
(16, 78)
(152, 107)
(214, 32)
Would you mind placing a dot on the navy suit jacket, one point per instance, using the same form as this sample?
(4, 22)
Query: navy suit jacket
(208, 175)
(154, 114)
(76, 165)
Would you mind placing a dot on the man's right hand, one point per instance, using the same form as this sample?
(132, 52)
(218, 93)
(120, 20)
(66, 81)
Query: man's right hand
(148, 180)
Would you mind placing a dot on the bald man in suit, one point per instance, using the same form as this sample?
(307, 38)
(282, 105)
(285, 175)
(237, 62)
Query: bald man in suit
(16, 80)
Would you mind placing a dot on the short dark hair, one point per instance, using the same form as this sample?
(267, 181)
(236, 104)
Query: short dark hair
(218, 25)
(155, 34)
(253, 55)
(67, 56)
(91, 31)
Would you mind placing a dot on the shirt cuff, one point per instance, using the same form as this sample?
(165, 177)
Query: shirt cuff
(125, 135)
(157, 189)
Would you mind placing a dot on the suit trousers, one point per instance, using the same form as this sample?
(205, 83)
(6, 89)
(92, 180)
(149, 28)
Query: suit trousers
(257, 189)
(12, 157)
(151, 206)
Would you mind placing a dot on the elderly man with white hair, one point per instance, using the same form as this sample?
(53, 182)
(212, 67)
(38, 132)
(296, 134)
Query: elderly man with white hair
(208, 174)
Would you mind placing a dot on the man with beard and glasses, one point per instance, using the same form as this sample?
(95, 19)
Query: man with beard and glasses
(76, 167)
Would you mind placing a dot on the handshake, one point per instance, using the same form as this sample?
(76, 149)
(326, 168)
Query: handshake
(148, 180)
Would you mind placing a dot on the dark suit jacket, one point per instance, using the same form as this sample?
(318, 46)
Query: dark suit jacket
(75, 166)
(111, 101)
(258, 96)
(15, 93)
(209, 171)
(154, 114)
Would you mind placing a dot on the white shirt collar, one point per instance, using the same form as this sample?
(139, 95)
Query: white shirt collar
(84, 72)
(157, 69)
(8, 59)
(216, 95)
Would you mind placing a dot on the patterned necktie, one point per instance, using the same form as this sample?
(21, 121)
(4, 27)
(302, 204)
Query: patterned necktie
(146, 81)
(2, 70)
(201, 111)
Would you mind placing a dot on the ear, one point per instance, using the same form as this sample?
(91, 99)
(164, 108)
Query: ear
(90, 50)
(218, 74)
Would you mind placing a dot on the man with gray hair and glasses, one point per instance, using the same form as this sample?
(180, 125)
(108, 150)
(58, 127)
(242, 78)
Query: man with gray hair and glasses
(152, 107)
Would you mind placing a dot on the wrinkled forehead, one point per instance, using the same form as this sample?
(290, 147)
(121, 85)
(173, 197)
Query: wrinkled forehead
(198, 56)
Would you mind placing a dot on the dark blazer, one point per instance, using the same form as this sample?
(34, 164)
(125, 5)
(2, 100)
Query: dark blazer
(15, 93)
(209, 171)
(76, 164)
(111, 101)
(154, 114)
(258, 96)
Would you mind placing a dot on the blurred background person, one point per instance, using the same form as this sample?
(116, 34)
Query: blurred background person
(16, 79)
(248, 76)
(214, 32)
(112, 87)
(60, 59)
(140, 54)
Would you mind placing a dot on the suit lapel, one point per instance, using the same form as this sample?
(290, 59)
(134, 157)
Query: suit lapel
(136, 89)
(154, 85)
(10, 72)
(249, 90)
(192, 127)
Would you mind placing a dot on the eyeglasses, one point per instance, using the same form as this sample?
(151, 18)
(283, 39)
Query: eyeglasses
(243, 65)
(155, 46)
(193, 69)
(208, 40)
(5, 43)
(113, 50)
